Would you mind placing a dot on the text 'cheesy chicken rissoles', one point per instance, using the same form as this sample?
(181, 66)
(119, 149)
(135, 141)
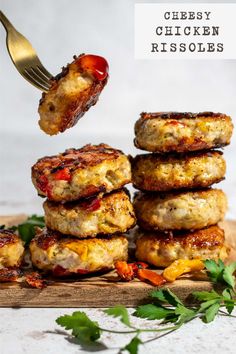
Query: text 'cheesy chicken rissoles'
(61, 255)
(162, 248)
(182, 132)
(72, 93)
(81, 173)
(108, 214)
(11, 249)
(155, 172)
(180, 210)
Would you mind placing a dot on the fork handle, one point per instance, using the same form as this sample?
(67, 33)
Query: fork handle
(6, 23)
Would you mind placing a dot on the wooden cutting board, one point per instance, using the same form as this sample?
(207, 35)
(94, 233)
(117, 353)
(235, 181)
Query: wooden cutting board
(100, 291)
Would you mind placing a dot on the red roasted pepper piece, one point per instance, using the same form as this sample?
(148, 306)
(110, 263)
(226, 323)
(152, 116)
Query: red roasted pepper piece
(138, 265)
(124, 270)
(63, 175)
(91, 205)
(150, 276)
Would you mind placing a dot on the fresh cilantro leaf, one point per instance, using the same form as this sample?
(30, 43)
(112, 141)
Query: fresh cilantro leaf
(119, 311)
(205, 305)
(2, 227)
(184, 314)
(206, 295)
(27, 229)
(155, 311)
(227, 294)
(152, 312)
(214, 270)
(165, 295)
(171, 298)
(159, 295)
(211, 266)
(82, 327)
(211, 312)
(228, 274)
(219, 273)
(133, 345)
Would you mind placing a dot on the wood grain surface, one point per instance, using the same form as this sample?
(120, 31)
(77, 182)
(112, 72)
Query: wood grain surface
(103, 290)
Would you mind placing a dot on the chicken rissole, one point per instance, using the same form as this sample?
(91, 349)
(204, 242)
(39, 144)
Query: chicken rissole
(162, 248)
(72, 93)
(61, 255)
(155, 172)
(109, 214)
(80, 173)
(11, 249)
(180, 210)
(182, 132)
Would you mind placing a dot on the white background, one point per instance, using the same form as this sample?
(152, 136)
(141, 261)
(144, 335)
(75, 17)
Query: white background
(59, 29)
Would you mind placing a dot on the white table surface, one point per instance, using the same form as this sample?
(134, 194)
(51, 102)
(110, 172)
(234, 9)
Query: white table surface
(34, 331)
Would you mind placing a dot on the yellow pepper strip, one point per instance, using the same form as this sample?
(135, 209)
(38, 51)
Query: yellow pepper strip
(182, 266)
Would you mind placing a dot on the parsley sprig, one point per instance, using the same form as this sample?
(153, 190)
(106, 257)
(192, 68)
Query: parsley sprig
(164, 306)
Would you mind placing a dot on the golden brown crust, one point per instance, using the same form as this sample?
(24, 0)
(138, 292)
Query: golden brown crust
(8, 237)
(161, 173)
(181, 115)
(64, 255)
(162, 248)
(212, 236)
(63, 177)
(180, 210)
(88, 155)
(173, 156)
(47, 238)
(11, 249)
(182, 132)
(199, 193)
(110, 214)
(61, 108)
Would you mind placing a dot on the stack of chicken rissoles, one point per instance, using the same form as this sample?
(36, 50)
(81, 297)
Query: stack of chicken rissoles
(86, 205)
(177, 211)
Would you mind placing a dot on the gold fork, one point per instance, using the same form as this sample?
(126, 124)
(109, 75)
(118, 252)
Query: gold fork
(24, 57)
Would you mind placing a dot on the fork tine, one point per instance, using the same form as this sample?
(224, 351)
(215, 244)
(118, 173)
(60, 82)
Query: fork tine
(39, 76)
(44, 72)
(33, 81)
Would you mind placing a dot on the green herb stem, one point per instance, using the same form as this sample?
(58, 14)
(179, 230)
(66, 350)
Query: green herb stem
(141, 330)
(223, 313)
